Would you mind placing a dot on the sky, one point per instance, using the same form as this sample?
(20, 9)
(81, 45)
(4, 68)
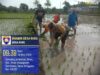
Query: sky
(54, 3)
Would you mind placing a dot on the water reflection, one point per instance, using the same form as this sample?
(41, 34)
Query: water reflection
(70, 43)
(58, 59)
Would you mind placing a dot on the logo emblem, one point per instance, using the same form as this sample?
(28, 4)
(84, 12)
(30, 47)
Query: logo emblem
(6, 40)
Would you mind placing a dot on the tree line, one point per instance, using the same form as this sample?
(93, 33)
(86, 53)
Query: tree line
(25, 8)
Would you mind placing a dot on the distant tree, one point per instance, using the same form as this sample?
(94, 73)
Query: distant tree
(47, 4)
(98, 3)
(23, 7)
(3, 8)
(12, 9)
(99, 6)
(54, 9)
(83, 4)
(36, 2)
(31, 10)
(1, 5)
(66, 6)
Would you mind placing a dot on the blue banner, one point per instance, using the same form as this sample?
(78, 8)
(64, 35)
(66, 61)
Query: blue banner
(20, 58)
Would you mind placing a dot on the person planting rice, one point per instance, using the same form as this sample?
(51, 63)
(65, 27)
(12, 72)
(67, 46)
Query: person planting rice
(73, 20)
(56, 18)
(56, 31)
(39, 15)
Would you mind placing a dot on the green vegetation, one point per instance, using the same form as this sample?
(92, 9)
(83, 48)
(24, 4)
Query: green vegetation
(31, 28)
(48, 3)
(5, 15)
(23, 7)
(66, 7)
(49, 67)
(63, 71)
(99, 7)
(36, 2)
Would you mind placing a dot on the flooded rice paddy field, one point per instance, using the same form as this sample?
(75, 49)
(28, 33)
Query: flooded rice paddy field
(82, 51)
(13, 26)
(80, 57)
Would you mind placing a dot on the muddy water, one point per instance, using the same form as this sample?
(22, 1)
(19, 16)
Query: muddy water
(81, 54)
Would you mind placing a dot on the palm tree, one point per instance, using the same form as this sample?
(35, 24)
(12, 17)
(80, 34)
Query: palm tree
(47, 3)
(36, 2)
(66, 6)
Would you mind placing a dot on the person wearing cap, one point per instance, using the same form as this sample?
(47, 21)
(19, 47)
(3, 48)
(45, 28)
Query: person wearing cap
(39, 13)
